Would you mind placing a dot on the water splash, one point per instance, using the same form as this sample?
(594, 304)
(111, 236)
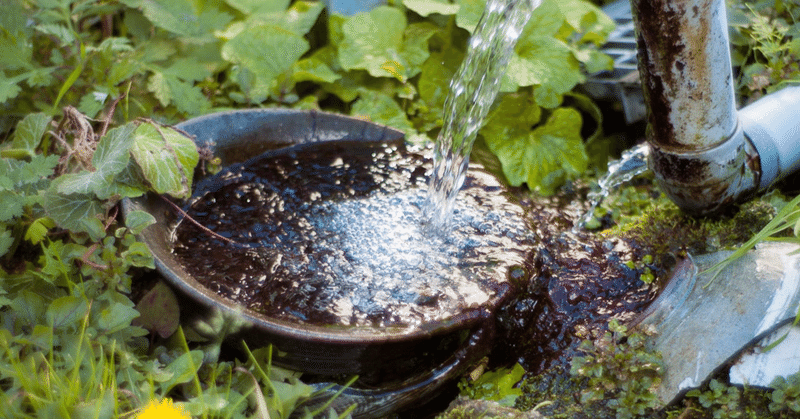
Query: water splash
(632, 163)
(472, 91)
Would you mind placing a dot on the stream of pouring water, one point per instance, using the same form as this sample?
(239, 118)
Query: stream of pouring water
(633, 162)
(472, 91)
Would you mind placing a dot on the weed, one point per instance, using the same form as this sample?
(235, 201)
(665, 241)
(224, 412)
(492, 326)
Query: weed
(786, 396)
(621, 371)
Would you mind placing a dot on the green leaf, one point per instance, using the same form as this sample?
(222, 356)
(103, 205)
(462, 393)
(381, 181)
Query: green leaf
(29, 132)
(160, 311)
(115, 317)
(109, 159)
(298, 19)
(62, 33)
(130, 183)
(249, 6)
(544, 157)
(6, 240)
(268, 51)
(438, 70)
(138, 220)
(69, 211)
(382, 109)
(469, 13)
(547, 64)
(9, 88)
(138, 255)
(312, 69)
(167, 159)
(66, 311)
(29, 306)
(181, 17)
(38, 229)
(499, 385)
(372, 40)
(17, 50)
(185, 96)
(11, 205)
(427, 7)
(182, 369)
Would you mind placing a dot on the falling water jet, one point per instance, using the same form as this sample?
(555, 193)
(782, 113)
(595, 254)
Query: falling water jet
(472, 91)
(632, 163)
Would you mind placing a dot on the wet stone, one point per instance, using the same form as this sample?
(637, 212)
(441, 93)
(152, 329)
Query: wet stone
(331, 234)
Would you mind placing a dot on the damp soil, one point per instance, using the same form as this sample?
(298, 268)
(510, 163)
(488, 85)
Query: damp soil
(576, 284)
(332, 234)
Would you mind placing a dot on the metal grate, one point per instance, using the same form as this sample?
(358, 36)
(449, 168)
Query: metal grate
(622, 82)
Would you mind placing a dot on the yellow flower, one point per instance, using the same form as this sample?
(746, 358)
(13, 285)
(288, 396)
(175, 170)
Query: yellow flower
(163, 409)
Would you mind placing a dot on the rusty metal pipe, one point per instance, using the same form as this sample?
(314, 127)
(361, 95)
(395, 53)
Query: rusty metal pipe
(698, 152)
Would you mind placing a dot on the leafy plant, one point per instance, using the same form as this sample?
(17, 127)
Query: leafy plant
(721, 399)
(767, 40)
(786, 396)
(621, 371)
(392, 65)
(499, 385)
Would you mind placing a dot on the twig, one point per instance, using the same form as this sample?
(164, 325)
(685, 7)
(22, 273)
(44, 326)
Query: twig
(193, 221)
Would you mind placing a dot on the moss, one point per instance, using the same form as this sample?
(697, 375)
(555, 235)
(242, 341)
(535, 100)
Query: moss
(465, 408)
(655, 226)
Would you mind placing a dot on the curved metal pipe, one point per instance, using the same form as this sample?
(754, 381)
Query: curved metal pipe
(698, 152)
(772, 125)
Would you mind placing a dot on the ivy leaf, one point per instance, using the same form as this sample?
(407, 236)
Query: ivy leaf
(382, 109)
(69, 211)
(138, 220)
(6, 241)
(249, 6)
(11, 205)
(167, 159)
(427, 7)
(372, 40)
(130, 183)
(38, 229)
(267, 51)
(582, 17)
(434, 81)
(298, 19)
(185, 96)
(109, 159)
(181, 17)
(415, 46)
(313, 69)
(17, 50)
(9, 88)
(542, 157)
(547, 64)
(469, 13)
(30, 131)
(138, 255)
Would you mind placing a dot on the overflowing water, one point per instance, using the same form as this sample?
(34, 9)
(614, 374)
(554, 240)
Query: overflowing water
(472, 91)
(332, 234)
(632, 163)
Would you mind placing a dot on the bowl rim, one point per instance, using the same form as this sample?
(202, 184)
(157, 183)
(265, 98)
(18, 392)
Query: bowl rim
(176, 276)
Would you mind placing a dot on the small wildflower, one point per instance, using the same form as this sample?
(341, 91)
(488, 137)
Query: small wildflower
(163, 409)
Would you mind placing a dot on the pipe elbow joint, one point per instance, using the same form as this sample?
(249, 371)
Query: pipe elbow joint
(703, 182)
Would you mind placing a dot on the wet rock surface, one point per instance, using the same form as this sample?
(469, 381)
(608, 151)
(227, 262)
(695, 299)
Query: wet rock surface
(578, 283)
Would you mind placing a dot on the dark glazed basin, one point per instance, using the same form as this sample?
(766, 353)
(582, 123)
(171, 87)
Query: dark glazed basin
(378, 355)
